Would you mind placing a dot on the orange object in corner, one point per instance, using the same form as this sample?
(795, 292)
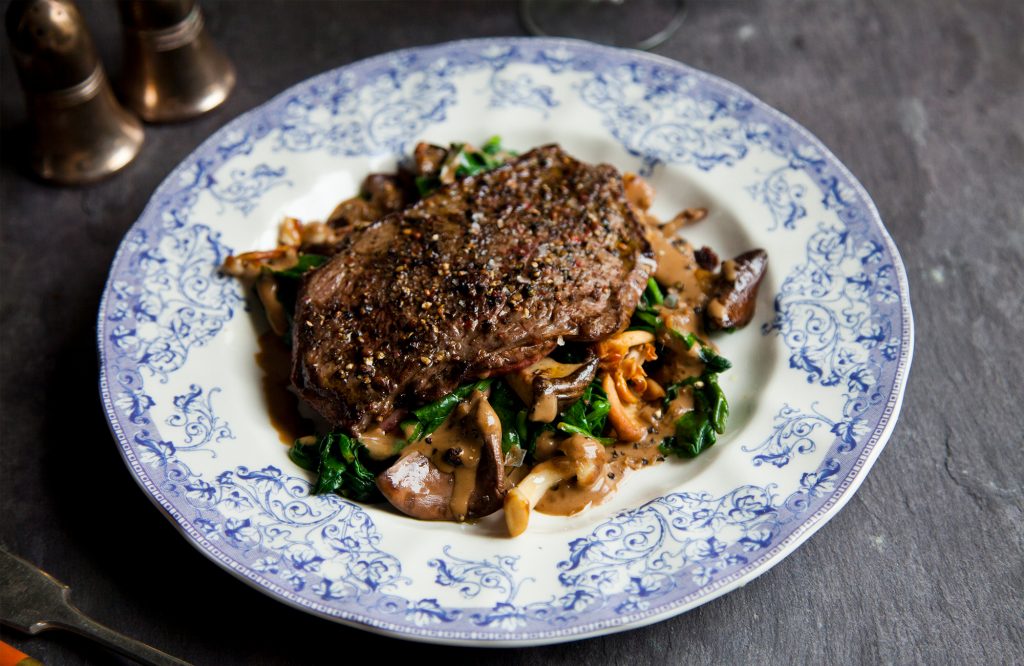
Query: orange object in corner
(10, 656)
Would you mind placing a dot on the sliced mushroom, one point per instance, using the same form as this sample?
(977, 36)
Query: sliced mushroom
(653, 390)
(415, 486)
(549, 389)
(449, 167)
(735, 291)
(545, 446)
(549, 386)
(456, 473)
(612, 351)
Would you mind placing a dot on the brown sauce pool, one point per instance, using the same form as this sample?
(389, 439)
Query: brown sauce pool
(275, 360)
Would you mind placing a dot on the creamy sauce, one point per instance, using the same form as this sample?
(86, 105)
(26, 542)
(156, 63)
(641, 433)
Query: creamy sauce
(380, 445)
(683, 219)
(682, 362)
(456, 447)
(545, 446)
(275, 360)
(569, 498)
(677, 267)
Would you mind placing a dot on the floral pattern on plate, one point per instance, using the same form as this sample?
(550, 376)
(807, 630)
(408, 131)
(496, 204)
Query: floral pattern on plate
(181, 390)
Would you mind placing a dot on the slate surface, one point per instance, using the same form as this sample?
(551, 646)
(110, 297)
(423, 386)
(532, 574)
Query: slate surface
(924, 101)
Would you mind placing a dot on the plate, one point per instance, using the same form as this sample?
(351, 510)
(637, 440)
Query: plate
(817, 381)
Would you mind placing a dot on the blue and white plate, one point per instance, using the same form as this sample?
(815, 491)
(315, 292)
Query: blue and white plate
(817, 381)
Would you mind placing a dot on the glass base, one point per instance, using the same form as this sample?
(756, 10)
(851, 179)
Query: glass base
(638, 24)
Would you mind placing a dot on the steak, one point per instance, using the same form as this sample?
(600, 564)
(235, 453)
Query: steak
(484, 276)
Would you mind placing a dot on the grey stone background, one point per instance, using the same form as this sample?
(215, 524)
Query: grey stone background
(922, 99)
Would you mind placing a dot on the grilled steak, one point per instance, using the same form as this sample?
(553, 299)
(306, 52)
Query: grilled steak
(478, 279)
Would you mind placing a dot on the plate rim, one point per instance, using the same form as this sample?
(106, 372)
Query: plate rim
(808, 526)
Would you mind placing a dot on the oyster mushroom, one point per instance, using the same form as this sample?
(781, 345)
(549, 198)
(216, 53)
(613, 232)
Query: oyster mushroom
(735, 291)
(456, 473)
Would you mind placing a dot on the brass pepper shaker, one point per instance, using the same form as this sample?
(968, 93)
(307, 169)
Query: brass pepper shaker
(172, 69)
(79, 131)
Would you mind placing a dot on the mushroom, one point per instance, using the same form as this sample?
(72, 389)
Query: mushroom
(613, 350)
(735, 291)
(251, 264)
(521, 499)
(383, 192)
(626, 426)
(683, 218)
(457, 473)
(379, 194)
(550, 386)
(585, 459)
(624, 379)
(415, 486)
(545, 446)
(350, 211)
(266, 287)
(290, 232)
(588, 458)
(638, 191)
(428, 158)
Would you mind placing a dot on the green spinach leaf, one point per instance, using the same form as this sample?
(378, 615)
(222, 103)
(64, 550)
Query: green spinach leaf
(512, 413)
(306, 263)
(647, 317)
(588, 415)
(469, 162)
(429, 418)
(699, 428)
(339, 462)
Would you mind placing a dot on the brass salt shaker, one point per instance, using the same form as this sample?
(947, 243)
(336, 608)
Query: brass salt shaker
(172, 69)
(79, 131)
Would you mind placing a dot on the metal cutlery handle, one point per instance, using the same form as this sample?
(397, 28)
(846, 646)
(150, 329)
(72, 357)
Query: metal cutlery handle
(32, 601)
(80, 623)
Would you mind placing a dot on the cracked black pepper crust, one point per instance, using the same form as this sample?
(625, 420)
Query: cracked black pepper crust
(478, 279)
